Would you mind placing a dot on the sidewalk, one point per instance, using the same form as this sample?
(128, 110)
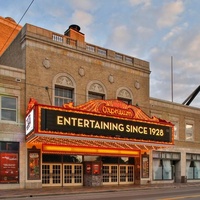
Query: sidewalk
(51, 191)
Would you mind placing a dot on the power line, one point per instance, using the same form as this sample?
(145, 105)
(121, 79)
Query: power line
(47, 88)
(17, 25)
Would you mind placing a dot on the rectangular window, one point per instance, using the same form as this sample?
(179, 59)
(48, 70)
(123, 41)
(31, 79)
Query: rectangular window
(193, 166)
(176, 129)
(8, 107)
(189, 134)
(162, 169)
(127, 101)
(63, 96)
(92, 96)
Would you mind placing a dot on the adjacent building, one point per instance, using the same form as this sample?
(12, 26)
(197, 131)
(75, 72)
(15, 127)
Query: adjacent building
(76, 114)
(8, 31)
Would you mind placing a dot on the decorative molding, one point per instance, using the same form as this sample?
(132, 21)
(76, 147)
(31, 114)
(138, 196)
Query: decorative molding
(95, 87)
(81, 71)
(65, 81)
(46, 63)
(125, 94)
(137, 85)
(111, 78)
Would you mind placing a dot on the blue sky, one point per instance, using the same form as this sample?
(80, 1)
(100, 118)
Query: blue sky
(152, 30)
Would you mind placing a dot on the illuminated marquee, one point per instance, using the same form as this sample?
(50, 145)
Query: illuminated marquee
(59, 121)
(122, 121)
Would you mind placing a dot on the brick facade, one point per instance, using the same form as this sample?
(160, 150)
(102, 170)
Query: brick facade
(44, 59)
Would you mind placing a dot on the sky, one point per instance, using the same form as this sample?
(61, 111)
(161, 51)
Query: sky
(165, 33)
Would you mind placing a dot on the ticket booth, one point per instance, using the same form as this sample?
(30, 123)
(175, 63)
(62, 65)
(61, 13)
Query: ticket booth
(93, 173)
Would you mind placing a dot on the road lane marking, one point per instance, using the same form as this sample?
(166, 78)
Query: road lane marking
(180, 197)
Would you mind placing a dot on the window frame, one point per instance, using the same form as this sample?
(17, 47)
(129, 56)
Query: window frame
(95, 94)
(63, 98)
(8, 109)
(127, 101)
(64, 80)
(125, 95)
(176, 129)
(96, 88)
(189, 123)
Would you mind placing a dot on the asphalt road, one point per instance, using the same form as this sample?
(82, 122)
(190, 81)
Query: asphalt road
(192, 193)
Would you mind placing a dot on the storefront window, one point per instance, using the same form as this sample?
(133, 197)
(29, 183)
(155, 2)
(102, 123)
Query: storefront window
(193, 169)
(162, 169)
(167, 170)
(117, 160)
(9, 162)
(56, 158)
(110, 160)
(72, 159)
(126, 160)
(51, 158)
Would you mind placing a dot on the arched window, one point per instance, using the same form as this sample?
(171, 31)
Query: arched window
(125, 95)
(64, 89)
(96, 90)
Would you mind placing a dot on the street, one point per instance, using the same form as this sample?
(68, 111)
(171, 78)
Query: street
(144, 194)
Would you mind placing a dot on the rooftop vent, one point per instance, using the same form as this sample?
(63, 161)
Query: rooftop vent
(74, 33)
(75, 27)
(72, 27)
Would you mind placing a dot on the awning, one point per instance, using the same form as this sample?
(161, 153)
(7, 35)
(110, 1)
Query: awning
(90, 146)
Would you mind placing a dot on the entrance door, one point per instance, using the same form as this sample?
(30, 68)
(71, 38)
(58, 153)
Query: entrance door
(51, 175)
(118, 174)
(72, 174)
(110, 174)
(126, 174)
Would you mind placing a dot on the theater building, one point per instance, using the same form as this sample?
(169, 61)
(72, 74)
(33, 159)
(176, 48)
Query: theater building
(83, 117)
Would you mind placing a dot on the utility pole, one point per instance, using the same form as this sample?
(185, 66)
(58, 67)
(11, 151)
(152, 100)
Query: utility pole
(172, 80)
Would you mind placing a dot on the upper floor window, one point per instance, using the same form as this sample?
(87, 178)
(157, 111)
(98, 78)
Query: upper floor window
(64, 89)
(63, 95)
(189, 131)
(176, 130)
(92, 96)
(96, 90)
(8, 107)
(125, 95)
(127, 101)
(175, 121)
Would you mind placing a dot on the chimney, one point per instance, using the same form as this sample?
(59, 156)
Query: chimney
(74, 33)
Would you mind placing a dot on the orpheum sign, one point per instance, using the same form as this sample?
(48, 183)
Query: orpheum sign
(111, 119)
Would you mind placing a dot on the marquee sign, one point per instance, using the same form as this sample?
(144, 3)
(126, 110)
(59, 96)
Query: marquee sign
(111, 119)
(70, 122)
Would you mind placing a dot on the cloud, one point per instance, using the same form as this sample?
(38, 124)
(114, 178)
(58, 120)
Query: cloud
(85, 5)
(169, 13)
(140, 2)
(81, 17)
(175, 31)
(120, 37)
